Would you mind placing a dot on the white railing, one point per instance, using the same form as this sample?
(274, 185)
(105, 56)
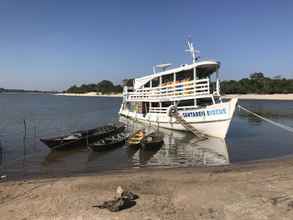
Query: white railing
(164, 110)
(158, 110)
(177, 90)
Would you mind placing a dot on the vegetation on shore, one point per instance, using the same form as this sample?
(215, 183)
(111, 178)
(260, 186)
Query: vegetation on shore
(103, 87)
(257, 83)
(2, 90)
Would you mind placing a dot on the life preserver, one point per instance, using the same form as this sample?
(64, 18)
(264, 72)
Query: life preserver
(171, 110)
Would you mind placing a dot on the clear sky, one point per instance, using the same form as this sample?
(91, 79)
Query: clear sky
(52, 44)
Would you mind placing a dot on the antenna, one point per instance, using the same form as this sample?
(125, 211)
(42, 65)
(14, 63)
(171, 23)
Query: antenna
(192, 50)
(163, 67)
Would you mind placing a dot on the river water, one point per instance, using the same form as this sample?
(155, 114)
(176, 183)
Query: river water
(25, 118)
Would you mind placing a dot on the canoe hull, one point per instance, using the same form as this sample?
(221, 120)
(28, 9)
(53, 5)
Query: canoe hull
(87, 138)
(99, 148)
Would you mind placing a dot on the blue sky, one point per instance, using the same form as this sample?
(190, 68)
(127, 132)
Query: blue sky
(56, 43)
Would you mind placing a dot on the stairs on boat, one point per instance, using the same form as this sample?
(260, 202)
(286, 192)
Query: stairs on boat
(187, 125)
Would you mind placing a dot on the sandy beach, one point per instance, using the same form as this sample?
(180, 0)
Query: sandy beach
(262, 96)
(259, 190)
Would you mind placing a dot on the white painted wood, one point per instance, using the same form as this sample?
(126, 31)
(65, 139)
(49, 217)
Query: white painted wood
(215, 125)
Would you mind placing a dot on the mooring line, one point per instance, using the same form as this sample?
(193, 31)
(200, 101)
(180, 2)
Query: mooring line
(285, 127)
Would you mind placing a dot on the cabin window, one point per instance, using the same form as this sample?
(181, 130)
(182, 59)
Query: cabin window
(204, 102)
(212, 86)
(155, 104)
(188, 102)
(167, 79)
(145, 107)
(186, 75)
(166, 104)
(147, 85)
(204, 71)
(156, 82)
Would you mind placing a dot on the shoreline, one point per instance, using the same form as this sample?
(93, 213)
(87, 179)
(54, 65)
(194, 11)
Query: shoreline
(89, 94)
(256, 190)
(240, 96)
(287, 97)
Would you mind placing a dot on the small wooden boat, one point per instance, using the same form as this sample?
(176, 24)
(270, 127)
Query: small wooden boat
(152, 141)
(82, 138)
(109, 143)
(135, 139)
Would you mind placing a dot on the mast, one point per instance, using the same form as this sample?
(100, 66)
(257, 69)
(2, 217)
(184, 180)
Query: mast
(193, 53)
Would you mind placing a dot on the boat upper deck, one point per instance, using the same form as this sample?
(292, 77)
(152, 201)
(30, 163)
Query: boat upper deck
(186, 81)
(203, 68)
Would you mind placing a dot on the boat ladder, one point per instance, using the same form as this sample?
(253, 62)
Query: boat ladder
(174, 113)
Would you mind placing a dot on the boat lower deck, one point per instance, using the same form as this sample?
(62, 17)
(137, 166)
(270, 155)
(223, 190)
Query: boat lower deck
(213, 120)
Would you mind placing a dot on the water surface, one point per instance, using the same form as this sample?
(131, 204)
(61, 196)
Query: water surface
(25, 118)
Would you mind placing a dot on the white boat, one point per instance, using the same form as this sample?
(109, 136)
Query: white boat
(187, 89)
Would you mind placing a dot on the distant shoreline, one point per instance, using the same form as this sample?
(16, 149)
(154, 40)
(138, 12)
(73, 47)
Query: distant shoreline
(28, 93)
(89, 94)
(261, 96)
(288, 97)
(240, 96)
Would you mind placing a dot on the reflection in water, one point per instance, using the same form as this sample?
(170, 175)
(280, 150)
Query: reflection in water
(250, 118)
(1, 153)
(59, 156)
(277, 110)
(179, 149)
(249, 139)
(95, 156)
(146, 155)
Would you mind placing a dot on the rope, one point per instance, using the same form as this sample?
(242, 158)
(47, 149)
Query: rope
(287, 128)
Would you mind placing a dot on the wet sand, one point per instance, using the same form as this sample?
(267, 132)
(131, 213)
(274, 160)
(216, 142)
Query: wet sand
(259, 190)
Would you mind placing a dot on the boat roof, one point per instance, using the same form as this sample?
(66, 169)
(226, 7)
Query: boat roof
(210, 66)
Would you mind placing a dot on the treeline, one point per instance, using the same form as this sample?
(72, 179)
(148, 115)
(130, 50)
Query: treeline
(2, 90)
(257, 83)
(103, 87)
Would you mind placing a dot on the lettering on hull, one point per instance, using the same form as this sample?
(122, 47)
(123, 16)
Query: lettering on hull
(202, 113)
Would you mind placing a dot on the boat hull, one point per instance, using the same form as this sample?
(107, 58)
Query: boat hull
(106, 147)
(213, 120)
(88, 136)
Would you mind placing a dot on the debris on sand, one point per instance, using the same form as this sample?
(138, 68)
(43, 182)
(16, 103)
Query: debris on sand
(123, 200)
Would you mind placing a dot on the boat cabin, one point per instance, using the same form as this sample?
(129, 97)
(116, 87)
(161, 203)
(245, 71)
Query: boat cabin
(188, 86)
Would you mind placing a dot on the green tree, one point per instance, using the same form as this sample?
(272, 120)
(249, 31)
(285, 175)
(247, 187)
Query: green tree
(105, 87)
(257, 83)
(256, 75)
